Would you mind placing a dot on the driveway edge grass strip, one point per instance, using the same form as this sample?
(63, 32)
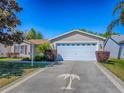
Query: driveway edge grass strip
(114, 79)
(112, 74)
(116, 66)
(20, 81)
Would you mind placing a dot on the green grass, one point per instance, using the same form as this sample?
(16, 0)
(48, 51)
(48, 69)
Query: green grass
(116, 66)
(16, 69)
(9, 59)
(10, 71)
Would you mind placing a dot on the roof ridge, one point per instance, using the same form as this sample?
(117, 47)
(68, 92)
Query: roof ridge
(77, 31)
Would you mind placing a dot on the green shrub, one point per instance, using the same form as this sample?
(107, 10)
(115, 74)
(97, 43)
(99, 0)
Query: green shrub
(26, 59)
(38, 58)
(42, 47)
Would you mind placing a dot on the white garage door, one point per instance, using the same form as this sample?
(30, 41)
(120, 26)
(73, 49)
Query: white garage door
(76, 51)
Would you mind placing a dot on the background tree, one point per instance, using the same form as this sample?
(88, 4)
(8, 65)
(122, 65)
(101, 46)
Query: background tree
(9, 21)
(120, 19)
(33, 34)
(39, 36)
(105, 34)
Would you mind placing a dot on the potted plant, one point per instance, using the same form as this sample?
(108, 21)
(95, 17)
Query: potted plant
(102, 55)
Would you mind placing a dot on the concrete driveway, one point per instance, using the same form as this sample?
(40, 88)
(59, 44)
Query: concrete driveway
(92, 80)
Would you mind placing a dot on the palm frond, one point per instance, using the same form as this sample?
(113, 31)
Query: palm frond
(120, 5)
(112, 24)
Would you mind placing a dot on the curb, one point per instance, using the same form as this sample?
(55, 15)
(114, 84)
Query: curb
(113, 78)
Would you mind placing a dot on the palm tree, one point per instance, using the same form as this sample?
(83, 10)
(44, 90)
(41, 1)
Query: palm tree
(120, 19)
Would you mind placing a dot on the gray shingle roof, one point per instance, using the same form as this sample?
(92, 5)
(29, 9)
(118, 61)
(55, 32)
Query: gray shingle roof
(118, 38)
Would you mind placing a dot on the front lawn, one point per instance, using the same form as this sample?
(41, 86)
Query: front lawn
(9, 59)
(116, 66)
(10, 71)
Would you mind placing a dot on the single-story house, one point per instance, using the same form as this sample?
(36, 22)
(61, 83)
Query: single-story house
(115, 44)
(77, 45)
(24, 49)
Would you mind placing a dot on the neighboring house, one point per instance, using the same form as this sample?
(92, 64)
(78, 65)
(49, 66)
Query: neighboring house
(24, 49)
(115, 44)
(77, 45)
(4, 50)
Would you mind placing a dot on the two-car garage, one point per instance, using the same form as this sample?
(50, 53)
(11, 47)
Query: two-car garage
(77, 45)
(76, 51)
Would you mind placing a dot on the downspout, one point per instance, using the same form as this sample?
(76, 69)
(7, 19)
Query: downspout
(119, 52)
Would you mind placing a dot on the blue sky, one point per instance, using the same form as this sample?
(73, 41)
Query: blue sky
(54, 17)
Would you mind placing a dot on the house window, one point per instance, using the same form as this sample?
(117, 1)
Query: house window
(17, 49)
(22, 49)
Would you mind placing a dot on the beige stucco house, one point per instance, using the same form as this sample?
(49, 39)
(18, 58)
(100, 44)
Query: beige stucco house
(77, 45)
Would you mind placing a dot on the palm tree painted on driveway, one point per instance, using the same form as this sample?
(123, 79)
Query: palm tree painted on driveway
(120, 19)
(71, 77)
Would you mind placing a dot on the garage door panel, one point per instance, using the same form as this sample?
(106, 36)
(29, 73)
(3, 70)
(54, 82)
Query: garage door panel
(77, 51)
